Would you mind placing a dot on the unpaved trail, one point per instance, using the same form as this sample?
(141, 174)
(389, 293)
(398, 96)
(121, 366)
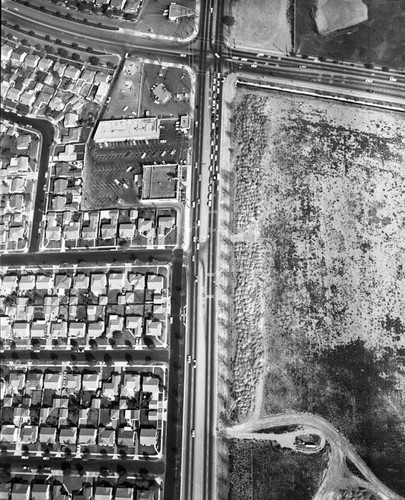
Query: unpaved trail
(337, 475)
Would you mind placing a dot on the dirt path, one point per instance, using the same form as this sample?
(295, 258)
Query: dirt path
(337, 475)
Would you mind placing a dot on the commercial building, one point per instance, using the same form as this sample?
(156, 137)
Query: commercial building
(127, 129)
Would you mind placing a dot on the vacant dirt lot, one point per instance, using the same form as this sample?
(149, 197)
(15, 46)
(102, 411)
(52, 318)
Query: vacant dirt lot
(261, 25)
(317, 247)
(379, 40)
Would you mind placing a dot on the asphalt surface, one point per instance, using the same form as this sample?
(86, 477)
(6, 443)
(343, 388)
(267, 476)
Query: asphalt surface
(47, 131)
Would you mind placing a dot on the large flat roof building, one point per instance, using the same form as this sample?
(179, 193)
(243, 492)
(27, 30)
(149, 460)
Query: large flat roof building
(127, 129)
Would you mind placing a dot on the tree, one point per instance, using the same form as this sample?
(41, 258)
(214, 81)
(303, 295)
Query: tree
(76, 57)
(228, 20)
(95, 61)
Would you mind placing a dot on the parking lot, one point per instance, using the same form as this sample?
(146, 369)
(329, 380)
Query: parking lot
(152, 20)
(125, 98)
(176, 80)
(121, 162)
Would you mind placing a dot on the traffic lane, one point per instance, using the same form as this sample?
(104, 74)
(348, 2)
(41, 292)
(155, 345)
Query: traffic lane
(128, 356)
(320, 65)
(95, 257)
(390, 80)
(378, 93)
(91, 465)
(77, 32)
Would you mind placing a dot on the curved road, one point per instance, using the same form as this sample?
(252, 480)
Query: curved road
(341, 449)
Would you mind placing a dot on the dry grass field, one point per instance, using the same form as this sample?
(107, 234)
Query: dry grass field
(317, 247)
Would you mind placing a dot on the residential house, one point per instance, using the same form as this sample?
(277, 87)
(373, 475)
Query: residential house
(8, 433)
(32, 60)
(23, 142)
(154, 328)
(59, 329)
(106, 437)
(95, 329)
(21, 491)
(17, 56)
(87, 436)
(59, 492)
(126, 436)
(107, 231)
(9, 284)
(47, 435)
(70, 120)
(98, 283)
(38, 329)
(90, 381)
(151, 384)
(135, 324)
(110, 389)
(155, 282)
(72, 72)
(16, 381)
(40, 491)
(22, 416)
(29, 434)
(72, 382)
(43, 282)
(27, 282)
(103, 493)
(51, 306)
(53, 381)
(147, 436)
(5, 490)
(115, 281)
(6, 52)
(68, 435)
(123, 493)
(77, 329)
(115, 323)
(21, 330)
(44, 64)
(62, 282)
(34, 381)
(145, 495)
(131, 384)
(126, 230)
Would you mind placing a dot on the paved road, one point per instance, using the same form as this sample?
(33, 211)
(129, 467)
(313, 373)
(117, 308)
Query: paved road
(47, 131)
(341, 449)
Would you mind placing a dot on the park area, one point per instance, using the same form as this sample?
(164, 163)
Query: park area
(313, 250)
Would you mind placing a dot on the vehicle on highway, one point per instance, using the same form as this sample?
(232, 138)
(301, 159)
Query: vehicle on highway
(193, 433)
(217, 55)
(194, 363)
(392, 79)
(368, 80)
(188, 358)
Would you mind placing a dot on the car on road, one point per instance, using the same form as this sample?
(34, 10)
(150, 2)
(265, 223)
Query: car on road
(392, 79)
(189, 358)
(368, 80)
(194, 363)
(192, 433)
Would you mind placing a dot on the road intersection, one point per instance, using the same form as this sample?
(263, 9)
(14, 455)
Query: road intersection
(211, 59)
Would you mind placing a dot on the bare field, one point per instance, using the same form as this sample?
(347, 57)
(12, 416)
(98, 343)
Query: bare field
(317, 247)
(260, 24)
(379, 40)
